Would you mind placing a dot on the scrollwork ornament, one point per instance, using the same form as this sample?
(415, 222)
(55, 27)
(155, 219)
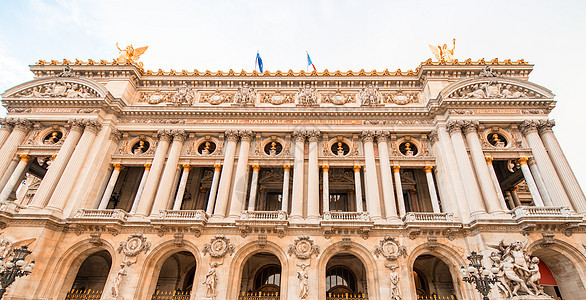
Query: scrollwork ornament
(218, 247)
(390, 248)
(303, 248)
(135, 244)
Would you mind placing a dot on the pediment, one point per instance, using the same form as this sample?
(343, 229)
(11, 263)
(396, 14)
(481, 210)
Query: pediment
(495, 88)
(58, 88)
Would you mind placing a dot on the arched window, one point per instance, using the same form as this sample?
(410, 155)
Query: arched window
(268, 278)
(340, 279)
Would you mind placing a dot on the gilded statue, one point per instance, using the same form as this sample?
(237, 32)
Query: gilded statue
(130, 54)
(442, 53)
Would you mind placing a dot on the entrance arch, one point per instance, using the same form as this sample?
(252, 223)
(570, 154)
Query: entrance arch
(261, 275)
(174, 274)
(92, 275)
(432, 277)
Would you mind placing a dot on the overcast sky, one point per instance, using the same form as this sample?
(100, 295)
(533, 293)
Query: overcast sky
(339, 35)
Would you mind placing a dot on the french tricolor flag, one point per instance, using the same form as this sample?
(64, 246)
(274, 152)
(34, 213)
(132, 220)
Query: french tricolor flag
(309, 63)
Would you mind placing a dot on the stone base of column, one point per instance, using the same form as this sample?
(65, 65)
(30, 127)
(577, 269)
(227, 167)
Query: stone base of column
(394, 219)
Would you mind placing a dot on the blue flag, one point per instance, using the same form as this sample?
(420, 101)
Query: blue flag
(259, 62)
(309, 63)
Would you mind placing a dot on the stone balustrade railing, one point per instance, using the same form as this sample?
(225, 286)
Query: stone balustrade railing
(182, 215)
(115, 214)
(263, 215)
(345, 216)
(428, 217)
(534, 211)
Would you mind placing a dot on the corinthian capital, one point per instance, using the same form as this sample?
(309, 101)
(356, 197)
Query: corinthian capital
(368, 135)
(164, 135)
(6, 124)
(470, 126)
(546, 125)
(232, 135)
(245, 135)
(93, 125)
(179, 135)
(115, 135)
(529, 126)
(313, 135)
(76, 124)
(382, 135)
(22, 124)
(433, 137)
(454, 126)
(299, 135)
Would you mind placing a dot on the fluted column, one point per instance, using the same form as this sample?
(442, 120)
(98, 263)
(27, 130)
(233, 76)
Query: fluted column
(473, 195)
(214, 189)
(550, 176)
(181, 189)
(253, 187)
(15, 178)
(169, 172)
(372, 192)
(484, 179)
(399, 189)
(241, 178)
(110, 187)
(16, 137)
(285, 196)
(313, 177)
(539, 182)
(326, 188)
(152, 182)
(297, 198)
(495, 182)
(221, 203)
(11, 167)
(54, 172)
(74, 166)
(530, 182)
(5, 130)
(432, 192)
(562, 166)
(385, 173)
(358, 188)
(143, 179)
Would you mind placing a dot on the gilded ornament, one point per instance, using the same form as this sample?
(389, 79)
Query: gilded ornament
(130, 55)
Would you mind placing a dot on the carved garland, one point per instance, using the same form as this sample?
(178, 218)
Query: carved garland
(389, 248)
(218, 247)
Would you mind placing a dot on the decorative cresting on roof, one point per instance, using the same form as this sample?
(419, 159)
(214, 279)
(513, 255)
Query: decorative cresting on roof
(58, 88)
(492, 86)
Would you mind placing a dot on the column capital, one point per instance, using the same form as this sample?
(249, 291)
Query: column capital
(488, 160)
(470, 126)
(313, 135)
(76, 124)
(382, 135)
(531, 161)
(357, 168)
(396, 168)
(179, 135)
(25, 157)
(6, 124)
(165, 135)
(368, 135)
(546, 126)
(454, 127)
(186, 167)
(299, 135)
(245, 135)
(117, 166)
(93, 125)
(115, 135)
(433, 136)
(232, 135)
(147, 167)
(325, 168)
(528, 126)
(217, 167)
(53, 156)
(287, 168)
(428, 169)
(523, 160)
(22, 124)
(255, 168)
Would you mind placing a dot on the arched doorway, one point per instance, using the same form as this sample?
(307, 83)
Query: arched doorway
(261, 277)
(91, 276)
(176, 277)
(559, 275)
(432, 277)
(346, 277)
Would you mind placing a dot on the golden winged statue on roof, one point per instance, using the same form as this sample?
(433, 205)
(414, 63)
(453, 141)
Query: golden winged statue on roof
(130, 54)
(442, 53)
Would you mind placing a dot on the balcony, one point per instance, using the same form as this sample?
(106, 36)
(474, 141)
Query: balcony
(267, 219)
(430, 220)
(101, 216)
(346, 219)
(180, 217)
(545, 215)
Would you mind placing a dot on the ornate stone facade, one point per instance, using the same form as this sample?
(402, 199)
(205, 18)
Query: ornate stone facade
(285, 185)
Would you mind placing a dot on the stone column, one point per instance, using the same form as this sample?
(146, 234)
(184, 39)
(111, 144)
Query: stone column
(482, 172)
(539, 182)
(399, 188)
(544, 164)
(562, 166)
(241, 176)
(495, 182)
(174, 188)
(16, 137)
(473, 195)
(509, 198)
(516, 199)
(5, 130)
(110, 187)
(285, 196)
(372, 192)
(297, 198)
(9, 171)
(214, 189)
(181, 189)
(313, 177)
(70, 173)
(358, 188)
(221, 203)
(530, 182)
(15, 178)
(326, 188)
(169, 172)
(253, 187)
(145, 174)
(385, 174)
(152, 182)
(432, 191)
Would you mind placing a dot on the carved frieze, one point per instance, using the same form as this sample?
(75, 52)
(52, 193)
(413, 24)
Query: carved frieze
(494, 90)
(303, 247)
(58, 89)
(277, 98)
(370, 96)
(338, 98)
(245, 96)
(215, 98)
(306, 96)
(218, 247)
(401, 98)
(390, 248)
